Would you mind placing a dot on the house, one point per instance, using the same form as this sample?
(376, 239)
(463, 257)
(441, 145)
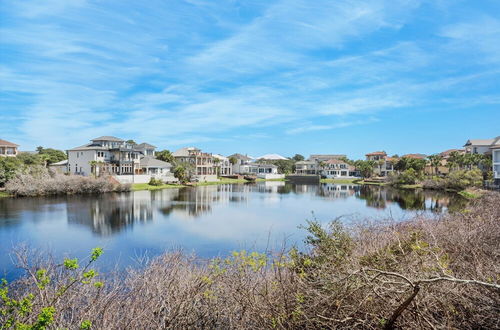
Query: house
(443, 167)
(385, 164)
(146, 149)
(239, 167)
(59, 167)
(205, 168)
(223, 165)
(306, 167)
(479, 146)
(272, 157)
(105, 154)
(336, 168)
(495, 152)
(156, 168)
(8, 149)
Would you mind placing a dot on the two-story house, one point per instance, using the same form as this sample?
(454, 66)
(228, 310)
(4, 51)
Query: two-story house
(384, 164)
(203, 163)
(107, 154)
(8, 149)
(239, 167)
(478, 146)
(223, 165)
(336, 168)
(307, 167)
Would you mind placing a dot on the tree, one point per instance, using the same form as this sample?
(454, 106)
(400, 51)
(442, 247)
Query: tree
(435, 162)
(9, 166)
(132, 142)
(233, 160)
(166, 156)
(50, 156)
(298, 158)
(365, 167)
(380, 162)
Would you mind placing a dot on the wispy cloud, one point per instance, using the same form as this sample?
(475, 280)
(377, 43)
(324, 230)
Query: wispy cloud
(195, 71)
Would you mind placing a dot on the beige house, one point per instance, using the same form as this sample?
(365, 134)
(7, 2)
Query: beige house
(384, 164)
(203, 163)
(223, 165)
(8, 149)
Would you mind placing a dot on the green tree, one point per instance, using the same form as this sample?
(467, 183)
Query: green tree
(435, 162)
(298, 157)
(50, 156)
(9, 166)
(365, 167)
(166, 156)
(233, 160)
(132, 142)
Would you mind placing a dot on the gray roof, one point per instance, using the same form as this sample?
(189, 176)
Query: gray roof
(306, 162)
(88, 146)
(240, 156)
(146, 145)
(478, 142)
(153, 162)
(108, 138)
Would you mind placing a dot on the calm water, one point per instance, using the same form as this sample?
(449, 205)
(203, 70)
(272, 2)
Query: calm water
(209, 220)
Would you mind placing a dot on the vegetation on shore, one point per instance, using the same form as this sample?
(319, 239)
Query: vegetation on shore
(39, 181)
(341, 181)
(423, 273)
(4, 194)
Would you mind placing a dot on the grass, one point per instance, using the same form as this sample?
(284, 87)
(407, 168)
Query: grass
(145, 186)
(370, 183)
(4, 194)
(410, 186)
(471, 193)
(339, 180)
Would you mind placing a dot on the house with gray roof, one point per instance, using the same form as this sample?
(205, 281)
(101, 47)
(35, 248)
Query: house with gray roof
(8, 149)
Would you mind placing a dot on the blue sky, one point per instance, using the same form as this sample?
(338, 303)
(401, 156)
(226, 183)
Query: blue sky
(292, 76)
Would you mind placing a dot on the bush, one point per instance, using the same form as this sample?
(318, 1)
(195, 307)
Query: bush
(38, 181)
(457, 180)
(424, 273)
(155, 182)
(407, 177)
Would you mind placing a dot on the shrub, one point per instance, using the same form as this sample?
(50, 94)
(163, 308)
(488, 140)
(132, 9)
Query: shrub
(37, 181)
(155, 182)
(456, 180)
(424, 273)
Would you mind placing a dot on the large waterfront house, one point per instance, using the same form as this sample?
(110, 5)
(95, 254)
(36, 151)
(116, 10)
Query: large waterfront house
(241, 160)
(114, 156)
(488, 147)
(334, 167)
(8, 149)
(223, 165)
(306, 167)
(384, 164)
(205, 168)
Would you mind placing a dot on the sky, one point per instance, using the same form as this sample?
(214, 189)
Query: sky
(254, 77)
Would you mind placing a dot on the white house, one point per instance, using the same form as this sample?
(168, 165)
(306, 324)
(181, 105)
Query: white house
(336, 168)
(495, 153)
(203, 162)
(59, 167)
(223, 165)
(478, 146)
(304, 167)
(241, 164)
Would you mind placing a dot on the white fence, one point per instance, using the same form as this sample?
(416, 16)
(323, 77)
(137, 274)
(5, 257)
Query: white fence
(143, 178)
(269, 176)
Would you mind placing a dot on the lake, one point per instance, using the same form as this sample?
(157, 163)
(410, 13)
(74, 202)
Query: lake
(207, 220)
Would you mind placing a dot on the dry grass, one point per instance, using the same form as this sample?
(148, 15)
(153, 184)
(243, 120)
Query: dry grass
(422, 274)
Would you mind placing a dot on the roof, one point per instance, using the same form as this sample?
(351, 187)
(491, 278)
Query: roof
(108, 138)
(272, 157)
(335, 161)
(146, 145)
(62, 162)
(377, 153)
(153, 162)
(496, 143)
(184, 152)
(415, 156)
(318, 156)
(220, 157)
(89, 146)
(5, 143)
(477, 142)
(240, 156)
(305, 162)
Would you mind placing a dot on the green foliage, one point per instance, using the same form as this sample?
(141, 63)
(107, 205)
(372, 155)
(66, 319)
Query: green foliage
(365, 167)
(155, 182)
(96, 253)
(9, 166)
(85, 325)
(409, 176)
(51, 155)
(71, 263)
(298, 157)
(14, 313)
(459, 180)
(166, 156)
(406, 163)
(132, 142)
(233, 160)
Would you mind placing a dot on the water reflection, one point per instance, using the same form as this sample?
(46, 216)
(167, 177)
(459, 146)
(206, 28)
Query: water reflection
(111, 213)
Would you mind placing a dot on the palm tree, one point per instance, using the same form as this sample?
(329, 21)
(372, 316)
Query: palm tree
(435, 162)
